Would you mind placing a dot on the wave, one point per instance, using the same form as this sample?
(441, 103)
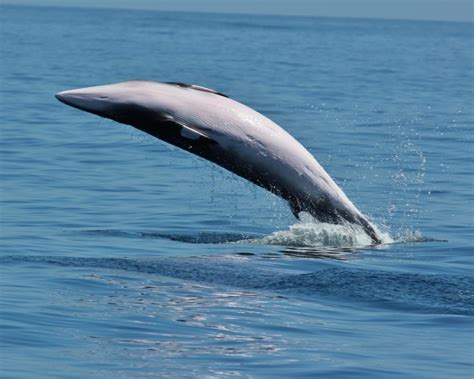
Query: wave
(312, 234)
(424, 293)
(197, 238)
(306, 233)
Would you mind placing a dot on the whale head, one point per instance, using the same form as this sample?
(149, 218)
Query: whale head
(134, 103)
(153, 107)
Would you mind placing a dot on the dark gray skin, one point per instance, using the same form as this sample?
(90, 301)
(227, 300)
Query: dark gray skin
(233, 136)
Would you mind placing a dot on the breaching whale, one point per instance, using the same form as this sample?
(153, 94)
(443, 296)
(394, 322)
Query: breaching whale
(213, 126)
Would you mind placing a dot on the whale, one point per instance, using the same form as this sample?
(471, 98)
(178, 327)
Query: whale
(215, 127)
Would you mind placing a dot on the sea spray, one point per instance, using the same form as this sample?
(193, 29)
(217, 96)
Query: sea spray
(310, 233)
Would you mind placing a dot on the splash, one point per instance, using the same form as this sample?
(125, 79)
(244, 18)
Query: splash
(306, 234)
(311, 233)
(414, 236)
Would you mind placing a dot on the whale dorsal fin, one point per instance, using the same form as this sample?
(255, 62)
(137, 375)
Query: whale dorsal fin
(196, 87)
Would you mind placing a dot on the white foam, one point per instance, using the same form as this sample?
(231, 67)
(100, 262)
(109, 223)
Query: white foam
(310, 233)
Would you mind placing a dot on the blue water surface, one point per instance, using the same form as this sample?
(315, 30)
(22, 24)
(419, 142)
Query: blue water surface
(123, 257)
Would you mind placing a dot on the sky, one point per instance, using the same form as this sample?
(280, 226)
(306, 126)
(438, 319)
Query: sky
(448, 10)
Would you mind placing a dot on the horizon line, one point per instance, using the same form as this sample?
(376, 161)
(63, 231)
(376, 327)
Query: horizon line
(234, 13)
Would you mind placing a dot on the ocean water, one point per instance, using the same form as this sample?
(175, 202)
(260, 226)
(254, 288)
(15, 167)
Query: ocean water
(123, 257)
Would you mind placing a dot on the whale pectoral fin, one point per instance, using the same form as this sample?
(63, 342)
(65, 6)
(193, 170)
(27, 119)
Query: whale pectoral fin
(195, 139)
(169, 129)
(191, 133)
(184, 136)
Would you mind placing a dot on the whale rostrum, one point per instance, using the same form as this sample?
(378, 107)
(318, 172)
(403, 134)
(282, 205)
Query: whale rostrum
(221, 130)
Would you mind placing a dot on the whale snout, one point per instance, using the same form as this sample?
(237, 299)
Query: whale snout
(87, 99)
(120, 103)
(65, 97)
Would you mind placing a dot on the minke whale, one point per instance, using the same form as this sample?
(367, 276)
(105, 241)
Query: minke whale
(211, 125)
